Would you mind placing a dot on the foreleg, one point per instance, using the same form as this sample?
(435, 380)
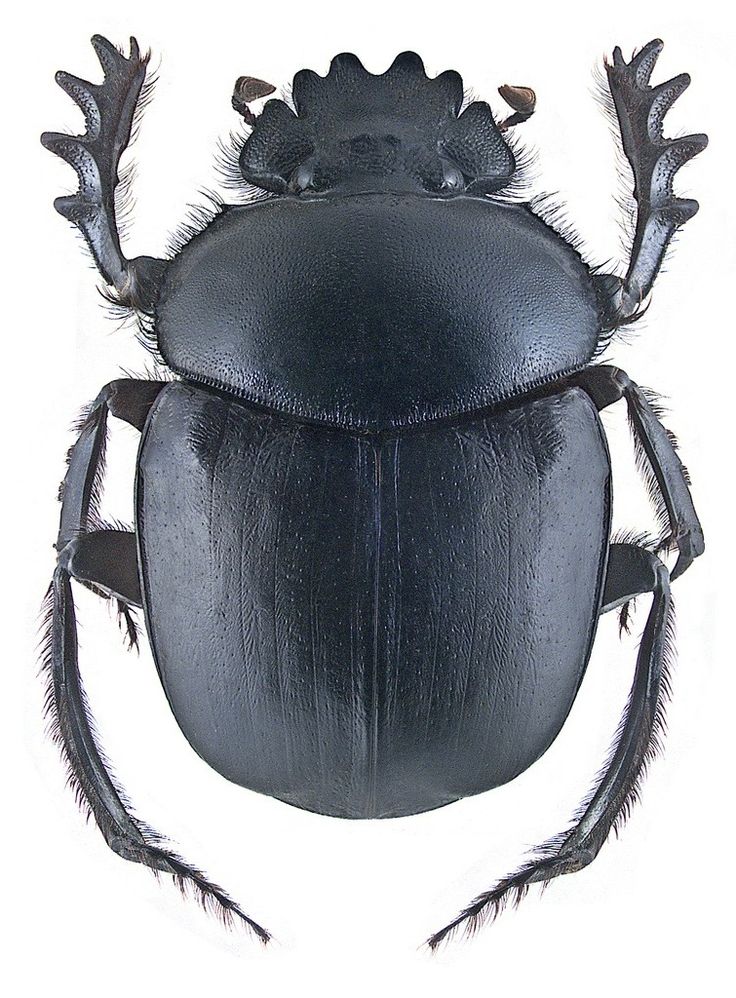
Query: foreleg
(640, 110)
(109, 110)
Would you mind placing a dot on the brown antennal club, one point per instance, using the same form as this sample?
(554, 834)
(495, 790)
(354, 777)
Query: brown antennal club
(522, 100)
(246, 90)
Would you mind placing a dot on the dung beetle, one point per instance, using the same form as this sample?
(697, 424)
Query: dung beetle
(373, 498)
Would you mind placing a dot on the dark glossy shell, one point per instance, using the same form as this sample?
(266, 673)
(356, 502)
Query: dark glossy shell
(401, 126)
(371, 625)
(377, 310)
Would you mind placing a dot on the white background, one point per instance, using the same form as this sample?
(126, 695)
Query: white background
(349, 902)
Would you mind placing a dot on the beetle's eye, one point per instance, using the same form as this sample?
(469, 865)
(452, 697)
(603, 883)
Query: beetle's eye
(302, 179)
(452, 178)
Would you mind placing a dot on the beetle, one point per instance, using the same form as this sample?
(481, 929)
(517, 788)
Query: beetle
(373, 500)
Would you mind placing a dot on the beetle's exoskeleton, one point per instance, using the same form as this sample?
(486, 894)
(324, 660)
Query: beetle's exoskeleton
(373, 504)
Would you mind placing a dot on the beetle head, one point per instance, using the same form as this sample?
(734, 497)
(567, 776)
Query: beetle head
(353, 131)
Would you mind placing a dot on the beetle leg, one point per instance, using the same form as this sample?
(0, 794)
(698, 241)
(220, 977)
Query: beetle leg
(639, 110)
(665, 475)
(639, 740)
(83, 553)
(110, 111)
(629, 574)
(107, 562)
(125, 398)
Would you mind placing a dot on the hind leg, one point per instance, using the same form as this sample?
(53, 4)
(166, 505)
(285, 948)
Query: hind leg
(631, 571)
(105, 561)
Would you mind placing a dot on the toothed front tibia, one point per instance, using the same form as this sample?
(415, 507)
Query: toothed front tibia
(110, 110)
(654, 160)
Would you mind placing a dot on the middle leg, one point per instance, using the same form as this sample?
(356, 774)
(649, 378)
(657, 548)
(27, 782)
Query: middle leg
(657, 458)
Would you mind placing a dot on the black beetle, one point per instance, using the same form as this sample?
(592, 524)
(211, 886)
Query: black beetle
(373, 504)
